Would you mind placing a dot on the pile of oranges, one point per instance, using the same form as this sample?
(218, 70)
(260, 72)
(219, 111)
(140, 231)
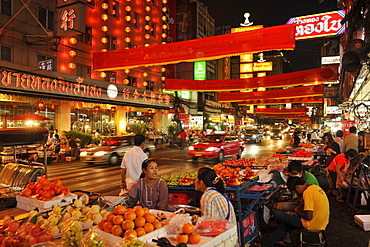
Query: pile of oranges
(129, 223)
(44, 189)
(187, 235)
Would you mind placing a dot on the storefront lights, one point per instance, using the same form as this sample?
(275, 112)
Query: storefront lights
(72, 53)
(164, 9)
(164, 35)
(104, 17)
(104, 28)
(147, 8)
(128, 18)
(127, 29)
(72, 41)
(147, 18)
(104, 6)
(163, 69)
(103, 74)
(163, 78)
(164, 26)
(71, 65)
(104, 40)
(147, 27)
(127, 40)
(147, 36)
(164, 18)
(145, 83)
(145, 74)
(128, 8)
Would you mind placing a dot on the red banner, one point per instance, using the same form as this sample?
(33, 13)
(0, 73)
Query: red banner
(282, 101)
(319, 75)
(265, 39)
(295, 92)
(281, 111)
(293, 116)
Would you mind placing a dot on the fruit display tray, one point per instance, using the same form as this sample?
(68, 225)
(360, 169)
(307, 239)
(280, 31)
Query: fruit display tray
(30, 203)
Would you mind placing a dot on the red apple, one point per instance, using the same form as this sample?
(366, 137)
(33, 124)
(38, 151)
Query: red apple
(43, 237)
(13, 225)
(35, 231)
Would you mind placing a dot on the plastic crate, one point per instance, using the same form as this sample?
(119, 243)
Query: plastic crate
(178, 198)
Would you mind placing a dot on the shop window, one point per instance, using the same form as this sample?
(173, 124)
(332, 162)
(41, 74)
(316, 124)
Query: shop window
(45, 62)
(6, 7)
(86, 37)
(83, 71)
(115, 9)
(46, 18)
(112, 43)
(150, 86)
(6, 53)
(132, 81)
(136, 20)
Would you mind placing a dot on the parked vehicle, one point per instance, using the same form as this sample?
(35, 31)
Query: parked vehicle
(251, 135)
(217, 146)
(112, 150)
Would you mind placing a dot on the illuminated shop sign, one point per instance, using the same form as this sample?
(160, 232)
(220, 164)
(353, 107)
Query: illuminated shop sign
(244, 29)
(117, 92)
(71, 20)
(263, 66)
(200, 70)
(318, 25)
(330, 60)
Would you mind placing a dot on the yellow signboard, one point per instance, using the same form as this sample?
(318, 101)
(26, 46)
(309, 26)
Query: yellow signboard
(264, 66)
(216, 120)
(243, 29)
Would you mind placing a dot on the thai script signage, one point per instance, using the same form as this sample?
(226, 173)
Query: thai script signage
(71, 20)
(318, 25)
(116, 93)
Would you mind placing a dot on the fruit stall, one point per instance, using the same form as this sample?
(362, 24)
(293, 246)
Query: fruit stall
(242, 185)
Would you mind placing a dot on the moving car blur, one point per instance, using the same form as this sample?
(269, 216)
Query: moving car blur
(251, 135)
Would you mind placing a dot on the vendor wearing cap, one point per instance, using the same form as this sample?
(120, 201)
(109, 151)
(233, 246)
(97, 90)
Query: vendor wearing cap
(213, 202)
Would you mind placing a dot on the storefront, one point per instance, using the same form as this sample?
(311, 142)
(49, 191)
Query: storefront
(69, 102)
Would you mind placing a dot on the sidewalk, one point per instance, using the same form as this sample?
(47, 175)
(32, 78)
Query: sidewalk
(341, 231)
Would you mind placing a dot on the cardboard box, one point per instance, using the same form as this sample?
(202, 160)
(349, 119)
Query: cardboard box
(30, 203)
(363, 221)
(178, 198)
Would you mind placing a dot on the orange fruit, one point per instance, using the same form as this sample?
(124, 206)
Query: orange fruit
(117, 230)
(150, 217)
(182, 238)
(108, 226)
(27, 192)
(139, 221)
(130, 235)
(146, 210)
(194, 238)
(118, 219)
(157, 224)
(119, 209)
(187, 228)
(139, 211)
(148, 227)
(128, 225)
(101, 224)
(110, 216)
(140, 231)
(130, 215)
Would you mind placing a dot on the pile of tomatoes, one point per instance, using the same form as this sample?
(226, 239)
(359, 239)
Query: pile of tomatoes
(302, 154)
(44, 189)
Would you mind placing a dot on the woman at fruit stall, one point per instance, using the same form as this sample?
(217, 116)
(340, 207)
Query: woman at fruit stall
(337, 169)
(149, 191)
(213, 202)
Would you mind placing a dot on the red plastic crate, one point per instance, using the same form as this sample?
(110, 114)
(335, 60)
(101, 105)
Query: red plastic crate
(178, 198)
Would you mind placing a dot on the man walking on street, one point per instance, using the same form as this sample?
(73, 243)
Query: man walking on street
(351, 141)
(131, 163)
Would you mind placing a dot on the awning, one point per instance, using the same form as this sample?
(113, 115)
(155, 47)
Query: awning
(265, 39)
(305, 91)
(305, 77)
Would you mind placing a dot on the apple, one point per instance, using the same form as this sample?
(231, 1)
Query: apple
(35, 231)
(14, 225)
(43, 237)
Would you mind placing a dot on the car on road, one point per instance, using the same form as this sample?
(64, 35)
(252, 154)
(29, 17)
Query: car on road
(251, 135)
(217, 146)
(112, 150)
(276, 134)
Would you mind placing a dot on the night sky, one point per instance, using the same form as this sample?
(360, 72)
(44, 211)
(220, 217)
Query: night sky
(273, 13)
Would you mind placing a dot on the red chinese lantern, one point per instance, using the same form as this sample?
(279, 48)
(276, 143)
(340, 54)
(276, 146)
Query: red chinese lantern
(96, 109)
(72, 53)
(165, 112)
(71, 65)
(41, 105)
(113, 109)
(78, 105)
(127, 109)
(73, 41)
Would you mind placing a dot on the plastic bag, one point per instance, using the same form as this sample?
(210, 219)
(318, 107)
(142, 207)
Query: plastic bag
(211, 226)
(93, 239)
(72, 233)
(176, 223)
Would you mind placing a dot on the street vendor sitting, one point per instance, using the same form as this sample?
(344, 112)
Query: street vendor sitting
(311, 214)
(149, 191)
(213, 202)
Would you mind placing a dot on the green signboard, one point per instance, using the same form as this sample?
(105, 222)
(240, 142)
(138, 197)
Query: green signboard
(200, 70)
(181, 94)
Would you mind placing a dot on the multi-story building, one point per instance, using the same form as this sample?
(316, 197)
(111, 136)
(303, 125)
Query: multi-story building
(46, 63)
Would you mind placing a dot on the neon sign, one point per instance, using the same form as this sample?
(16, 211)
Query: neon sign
(318, 25)
(67, 19)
